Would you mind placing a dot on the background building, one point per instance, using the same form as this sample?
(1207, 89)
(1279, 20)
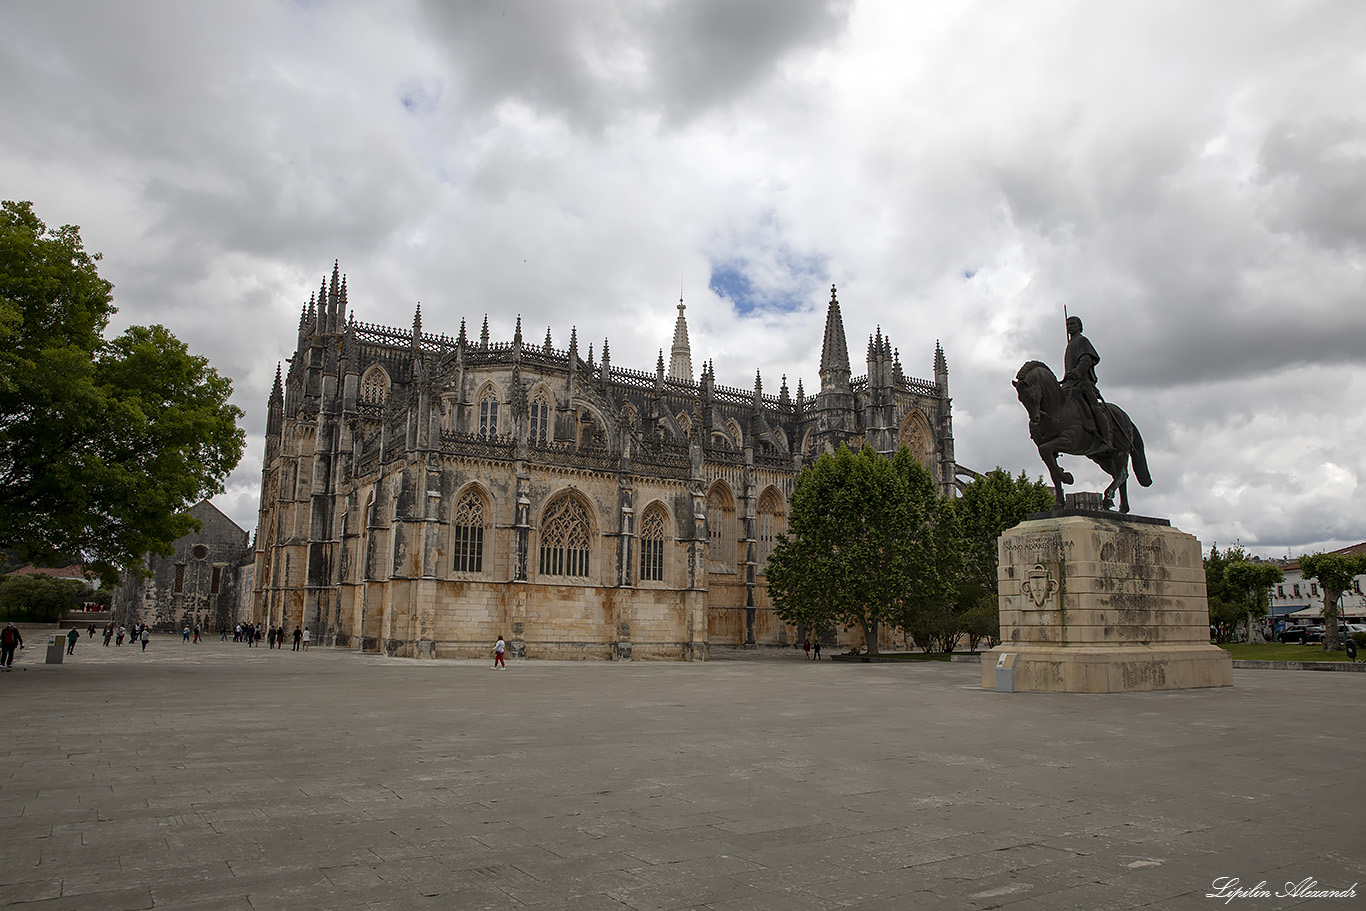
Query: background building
(422, 494)
(198, 584)
(1296, 595)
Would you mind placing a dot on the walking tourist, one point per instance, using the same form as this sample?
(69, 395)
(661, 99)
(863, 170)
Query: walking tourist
(307, 636)
(72, 638)
(298, 635)
(10, 639)
(146, 634)
(817, 648)
(498, 648)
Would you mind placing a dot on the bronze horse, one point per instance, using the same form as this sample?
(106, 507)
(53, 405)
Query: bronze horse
(1055, 425)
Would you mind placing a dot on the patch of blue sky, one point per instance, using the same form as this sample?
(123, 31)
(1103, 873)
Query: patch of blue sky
(778, 283)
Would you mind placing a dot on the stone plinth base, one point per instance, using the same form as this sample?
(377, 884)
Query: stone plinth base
(1104, 604)
(1123, 669)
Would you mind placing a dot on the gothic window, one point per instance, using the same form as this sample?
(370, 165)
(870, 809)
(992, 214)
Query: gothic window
(721, 528)
(915, 435)
(540, 417)
(374, 386)
(565, 538)
(179, 585)
(217, 580)
(685, 423)
(652, 545)
(488, 414)
(737, 438)
(771, 524)
(469, 534)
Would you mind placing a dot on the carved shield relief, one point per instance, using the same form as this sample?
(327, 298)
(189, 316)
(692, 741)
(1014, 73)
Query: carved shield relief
(1040, 587)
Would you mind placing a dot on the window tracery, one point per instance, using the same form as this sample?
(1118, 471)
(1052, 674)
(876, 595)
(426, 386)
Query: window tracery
(771, 524)
(721, 527)
(652, 545)
(539, 417)
(566, 538)
(469, 534)
(374, 386)
(488, 413)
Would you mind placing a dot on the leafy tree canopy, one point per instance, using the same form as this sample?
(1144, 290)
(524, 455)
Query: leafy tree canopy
(1236, 587)
(989, 506)
(870, 541)
(1334, 573)
(38, 599)
(843, 560)
(104, 444)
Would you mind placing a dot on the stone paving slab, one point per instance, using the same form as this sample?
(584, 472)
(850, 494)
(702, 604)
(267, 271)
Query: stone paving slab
(214, 776)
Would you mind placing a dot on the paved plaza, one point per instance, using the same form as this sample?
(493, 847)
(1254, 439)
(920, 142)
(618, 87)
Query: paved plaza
(218, 777)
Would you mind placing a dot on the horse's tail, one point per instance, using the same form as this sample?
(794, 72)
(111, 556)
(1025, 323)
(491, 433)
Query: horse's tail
(1140, 460)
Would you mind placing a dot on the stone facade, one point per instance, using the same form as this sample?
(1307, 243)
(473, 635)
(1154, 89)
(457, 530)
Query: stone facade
(423, 494)
(201, 582)
(1103, 603)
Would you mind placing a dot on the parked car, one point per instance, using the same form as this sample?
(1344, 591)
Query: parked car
(1313, 635)
(1292, 634)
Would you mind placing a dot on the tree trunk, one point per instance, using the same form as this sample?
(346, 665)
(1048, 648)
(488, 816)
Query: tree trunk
(1330, 619)
(870, 633)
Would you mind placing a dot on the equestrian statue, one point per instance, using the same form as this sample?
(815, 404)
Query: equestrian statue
(1071, 418)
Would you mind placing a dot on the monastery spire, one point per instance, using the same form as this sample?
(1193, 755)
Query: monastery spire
(680, 356)
(834, 350)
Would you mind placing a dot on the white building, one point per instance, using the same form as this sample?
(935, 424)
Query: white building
(1303, 599)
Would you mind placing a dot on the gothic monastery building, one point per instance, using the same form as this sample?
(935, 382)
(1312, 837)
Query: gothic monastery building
(423, 494)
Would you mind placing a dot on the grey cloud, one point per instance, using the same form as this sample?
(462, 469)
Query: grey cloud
(1315, 177)
(591, 62)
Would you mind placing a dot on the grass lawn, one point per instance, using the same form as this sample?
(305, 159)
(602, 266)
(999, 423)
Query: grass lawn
(1278, 652)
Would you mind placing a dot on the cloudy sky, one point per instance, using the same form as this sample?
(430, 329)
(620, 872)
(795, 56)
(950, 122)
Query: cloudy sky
(1190, 178)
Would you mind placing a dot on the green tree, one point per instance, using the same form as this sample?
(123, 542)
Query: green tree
(933, 558)
(989, 505)
(1334, 573)
(1228, 603)
(1254, 578)
(38, 599)
(843, 560)
(104, 444)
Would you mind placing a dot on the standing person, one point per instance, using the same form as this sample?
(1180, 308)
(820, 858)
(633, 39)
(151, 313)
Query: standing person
(307, 636)
(817, 648)
(222, 634)
(10, 639)
(298, 634)
(72, 638)
(498, 648)
(146, 634)
(185, 636)
(118, 637)
(806, 648)
(91, 633)
(196, 634)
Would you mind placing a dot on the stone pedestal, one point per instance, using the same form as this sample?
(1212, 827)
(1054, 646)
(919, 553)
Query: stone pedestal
(1095, 602)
